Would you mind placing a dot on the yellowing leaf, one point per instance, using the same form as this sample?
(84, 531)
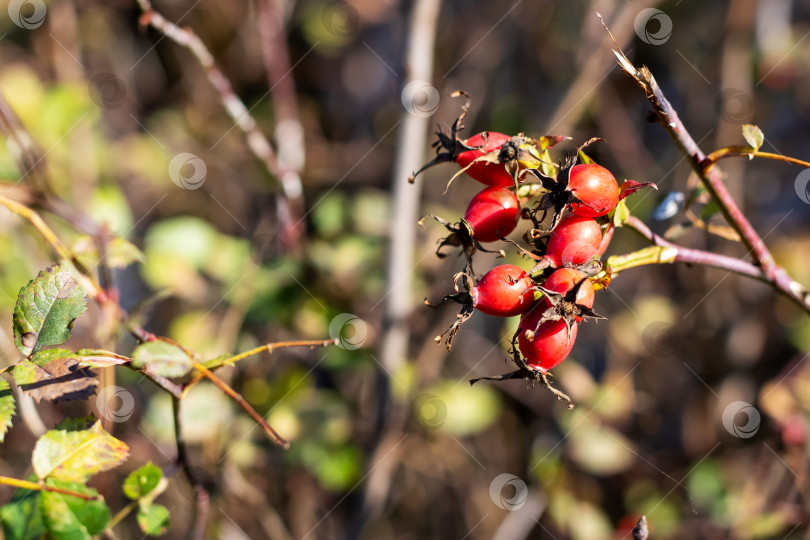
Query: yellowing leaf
(753, 136)
(7, 408)
(75, 455)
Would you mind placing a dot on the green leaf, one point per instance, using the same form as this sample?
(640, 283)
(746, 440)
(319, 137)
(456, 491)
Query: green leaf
(620, 214)
(753, 136)
(75, 455)
(21, 517)
(7, 408)
(162, 359)
(79, 423)
(56, 375)
(584, 158)
(142, 481)
(153, 519)
(46, 309)
(70, 518)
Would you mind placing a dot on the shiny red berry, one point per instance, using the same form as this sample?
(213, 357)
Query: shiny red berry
(489, 173)
(505, 291)
(574, 241)
(595, 187)
(550, 343)
(493, 213)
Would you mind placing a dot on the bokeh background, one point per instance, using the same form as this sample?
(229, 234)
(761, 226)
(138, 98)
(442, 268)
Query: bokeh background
(692, 398)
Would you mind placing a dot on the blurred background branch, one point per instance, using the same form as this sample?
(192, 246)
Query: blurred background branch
(418, 67)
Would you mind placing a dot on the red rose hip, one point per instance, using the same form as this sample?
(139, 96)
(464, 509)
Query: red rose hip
(491, 174)
(574, 241)
(596, 187)
(550, 344)
(493, 213)
(504, 291)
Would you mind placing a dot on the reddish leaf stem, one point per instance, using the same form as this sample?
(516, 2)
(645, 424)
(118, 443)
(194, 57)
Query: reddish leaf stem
(34, 486)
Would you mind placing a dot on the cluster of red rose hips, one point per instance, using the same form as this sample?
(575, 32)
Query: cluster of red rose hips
(554, 296)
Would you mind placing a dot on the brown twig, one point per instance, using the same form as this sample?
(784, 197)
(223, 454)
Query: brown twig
(667, 116)
(268, 347)
(201, 495)
(234, 395)
(665, 252)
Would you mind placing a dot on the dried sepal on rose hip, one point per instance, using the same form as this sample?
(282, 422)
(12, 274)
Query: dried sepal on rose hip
(574, 190)
(461, 235)
(568, 297)
(489, 157)
(467, 306)
(547, 332)
(551, 341)
(505, 291)
(535, 358)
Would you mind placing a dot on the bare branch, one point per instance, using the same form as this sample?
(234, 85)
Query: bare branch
(201, 495)
(236, 109)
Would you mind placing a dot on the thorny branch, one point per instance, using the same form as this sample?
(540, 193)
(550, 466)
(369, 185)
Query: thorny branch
(711, 178)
